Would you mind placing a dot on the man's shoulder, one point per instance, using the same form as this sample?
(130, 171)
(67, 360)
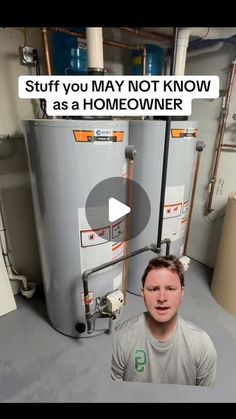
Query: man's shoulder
(133, 323)
(191, 327)
(199, 341)
(195, 333)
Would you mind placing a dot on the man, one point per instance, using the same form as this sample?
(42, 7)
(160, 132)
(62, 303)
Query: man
(159, 346)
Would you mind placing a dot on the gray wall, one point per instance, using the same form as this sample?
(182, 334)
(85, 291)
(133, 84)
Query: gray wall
(15, 192)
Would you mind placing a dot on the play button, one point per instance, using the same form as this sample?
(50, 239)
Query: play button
(116, 210)
(107, 208)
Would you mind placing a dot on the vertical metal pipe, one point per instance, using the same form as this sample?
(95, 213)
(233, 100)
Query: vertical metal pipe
(221, 131)
(166, 146)
(128, 223)
(46, 51)
(192, 200)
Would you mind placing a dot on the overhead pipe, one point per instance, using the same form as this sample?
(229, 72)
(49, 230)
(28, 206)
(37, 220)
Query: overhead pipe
(83, 36)
(166, 147)
(158, 37)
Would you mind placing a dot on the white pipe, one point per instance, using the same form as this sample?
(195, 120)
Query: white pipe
(27, 288)
(213, 33)
(205, 33)
(20, 278)
(182, 46)
(95, 48)
(207, 50)
(7, 300)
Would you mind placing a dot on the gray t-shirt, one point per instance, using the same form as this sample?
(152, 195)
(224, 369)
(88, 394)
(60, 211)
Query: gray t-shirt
(188, 357)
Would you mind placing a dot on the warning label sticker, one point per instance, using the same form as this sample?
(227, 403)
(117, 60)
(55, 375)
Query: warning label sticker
(173, 210)
(83, 136)
(184, 133)
(94, 237)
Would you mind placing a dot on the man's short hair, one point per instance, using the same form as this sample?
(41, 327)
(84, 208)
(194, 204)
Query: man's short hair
(170, 262)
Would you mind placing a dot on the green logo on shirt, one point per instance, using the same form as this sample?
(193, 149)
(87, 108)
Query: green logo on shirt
(140, 360)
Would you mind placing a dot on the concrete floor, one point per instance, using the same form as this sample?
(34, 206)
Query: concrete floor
(38, 364)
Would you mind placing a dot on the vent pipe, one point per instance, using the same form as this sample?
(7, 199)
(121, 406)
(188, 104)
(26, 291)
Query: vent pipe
(95, 51)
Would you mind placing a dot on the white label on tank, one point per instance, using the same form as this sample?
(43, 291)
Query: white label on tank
(117, 281)
(172, 210)
(95, 255)
(94, 247)
(118, 231)
(94, 237)
(173, 228)
(174, 194)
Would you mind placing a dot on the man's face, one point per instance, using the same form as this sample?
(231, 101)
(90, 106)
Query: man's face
(162, 294)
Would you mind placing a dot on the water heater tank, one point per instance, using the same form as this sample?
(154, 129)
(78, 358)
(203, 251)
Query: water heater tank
(154, 61)
(69, 55)
(67, 159)
(148, 139)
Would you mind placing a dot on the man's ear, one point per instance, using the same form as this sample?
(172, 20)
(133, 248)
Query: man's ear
(142, 292)
(182, 295)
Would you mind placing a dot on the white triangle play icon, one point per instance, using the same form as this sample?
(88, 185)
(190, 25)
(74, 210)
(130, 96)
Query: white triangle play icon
(116, 209)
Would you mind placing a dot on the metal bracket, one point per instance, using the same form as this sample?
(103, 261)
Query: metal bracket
(27, 55)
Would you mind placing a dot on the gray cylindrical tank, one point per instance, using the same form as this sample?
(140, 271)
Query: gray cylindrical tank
(148, 138)
(65, 165)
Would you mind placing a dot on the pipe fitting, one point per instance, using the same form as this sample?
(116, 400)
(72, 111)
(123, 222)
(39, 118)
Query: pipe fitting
(130, 152)
(200, 145)
(29, 292)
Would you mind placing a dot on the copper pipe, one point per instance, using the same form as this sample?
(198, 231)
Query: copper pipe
(192, 201)
(82, 35)
(221, 131)
(118, 44)
(67, 32)
(128, 223)
(46, 50)
(140, 32)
